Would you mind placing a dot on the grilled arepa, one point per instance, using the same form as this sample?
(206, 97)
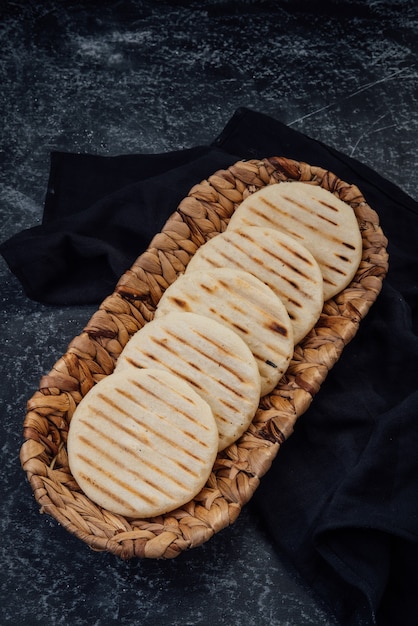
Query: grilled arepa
(212, 358)
(245, 304)
(278, 260)
(324, 224)
(142, 443)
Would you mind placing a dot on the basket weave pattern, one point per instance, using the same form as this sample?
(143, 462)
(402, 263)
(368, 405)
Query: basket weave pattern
(204, 213)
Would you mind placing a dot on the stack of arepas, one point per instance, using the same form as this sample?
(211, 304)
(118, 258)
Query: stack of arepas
(143, 440)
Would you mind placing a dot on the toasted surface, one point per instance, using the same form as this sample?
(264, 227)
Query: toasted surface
(213, 359)
(278, 260)
(142, 443)
(324, 224)
(243, 303)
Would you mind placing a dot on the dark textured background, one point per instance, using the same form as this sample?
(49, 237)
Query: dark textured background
(125, 77)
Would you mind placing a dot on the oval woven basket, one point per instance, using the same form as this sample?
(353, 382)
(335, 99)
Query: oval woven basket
(204, 213)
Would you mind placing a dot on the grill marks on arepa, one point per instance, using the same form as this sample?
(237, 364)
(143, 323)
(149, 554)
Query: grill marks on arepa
(324, 224)
(141, 445)
(275, 258)
(243, 303)
(184, 353)
(210, 357)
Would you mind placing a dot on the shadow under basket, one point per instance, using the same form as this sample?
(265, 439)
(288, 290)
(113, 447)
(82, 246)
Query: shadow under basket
(202, 214)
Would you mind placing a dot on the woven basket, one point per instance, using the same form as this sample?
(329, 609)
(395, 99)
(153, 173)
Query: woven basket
(204, 213)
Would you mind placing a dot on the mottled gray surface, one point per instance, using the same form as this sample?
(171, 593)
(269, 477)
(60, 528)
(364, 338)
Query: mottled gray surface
(125, 77)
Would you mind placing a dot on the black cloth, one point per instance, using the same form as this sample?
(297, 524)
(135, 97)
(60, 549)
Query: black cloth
(341, 498)
(100, 215)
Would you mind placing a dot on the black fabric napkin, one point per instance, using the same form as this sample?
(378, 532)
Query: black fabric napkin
(341, 498)
(100, 215)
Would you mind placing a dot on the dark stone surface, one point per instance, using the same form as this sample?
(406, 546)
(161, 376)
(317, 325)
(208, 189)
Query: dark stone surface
(125, 77)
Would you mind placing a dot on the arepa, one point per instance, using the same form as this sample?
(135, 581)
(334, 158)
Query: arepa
(278, 260)
(318, 219)
(142, 443)
(242, 302)
(210, 357)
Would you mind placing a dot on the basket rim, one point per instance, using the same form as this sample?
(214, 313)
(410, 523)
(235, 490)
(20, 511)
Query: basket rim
(202, 214)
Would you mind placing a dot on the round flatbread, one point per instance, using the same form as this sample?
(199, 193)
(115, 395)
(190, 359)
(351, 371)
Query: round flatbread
(142, 443)
(324, 224)
(278, 260)
(247, 306)
(213, 359)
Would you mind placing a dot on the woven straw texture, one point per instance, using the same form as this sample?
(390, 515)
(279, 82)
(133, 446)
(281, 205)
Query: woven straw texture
(204, 213)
